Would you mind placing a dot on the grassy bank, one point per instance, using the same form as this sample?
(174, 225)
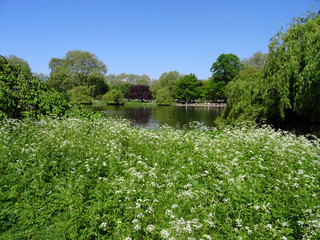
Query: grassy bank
(102, 179)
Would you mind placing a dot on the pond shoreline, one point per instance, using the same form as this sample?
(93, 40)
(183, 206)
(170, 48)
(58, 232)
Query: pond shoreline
(220, 105)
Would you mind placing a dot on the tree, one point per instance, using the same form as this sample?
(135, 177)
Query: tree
(80, 94)
(16, 61)
(292, 75)
(188, 88)
(164, 97)
(78, 68)
(113, 97)
(226, 67)
(169, 81)
(134, 79)
(125, 89)
(24, 96)
(141, 92)
(41, 76)
(98, 84)
(223, 71)
(244, 93)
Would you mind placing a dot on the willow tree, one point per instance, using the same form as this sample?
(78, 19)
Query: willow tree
(78, 68)
(292, 74)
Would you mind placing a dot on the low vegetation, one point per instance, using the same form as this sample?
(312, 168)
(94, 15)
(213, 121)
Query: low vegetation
(113, 97)
(104, 179)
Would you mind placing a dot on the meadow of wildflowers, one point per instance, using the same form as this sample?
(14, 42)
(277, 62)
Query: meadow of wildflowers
(104, 179)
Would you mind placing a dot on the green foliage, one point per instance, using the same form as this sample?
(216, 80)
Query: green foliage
(169, 81)
(135, 79)
(244, 93)
(124, 87)
(113, 97)
(188, 88)
(99, 178)
(16, 61)
(81, 94)
(292, 74)
(164, 97)
(22, 95)
(213, 89)
(98, 84)
(78, 68)
(225, 69)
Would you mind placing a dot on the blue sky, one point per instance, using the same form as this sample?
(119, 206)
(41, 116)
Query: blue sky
(143, 36)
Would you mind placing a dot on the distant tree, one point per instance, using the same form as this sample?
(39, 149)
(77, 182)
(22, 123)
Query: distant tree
(113, 97)
(188, 88)
(134, 79)
(125, 89)
(244, 93)
(226, 67)
(169, 81)
(257, 61)
(141, 92)
(98, 83)
(164, 97)
(78, 68)
(80, 94)
(154, 86)
(41, 76)
(223, 71)
(16, 61)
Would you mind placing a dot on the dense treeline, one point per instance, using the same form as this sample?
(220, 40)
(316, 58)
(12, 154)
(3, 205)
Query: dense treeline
(279, 88)
(282, 88)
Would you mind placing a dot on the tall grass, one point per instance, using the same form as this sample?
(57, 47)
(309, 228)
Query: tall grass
(103, 179)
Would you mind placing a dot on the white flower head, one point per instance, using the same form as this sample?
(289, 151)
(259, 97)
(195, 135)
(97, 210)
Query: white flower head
(150, 228)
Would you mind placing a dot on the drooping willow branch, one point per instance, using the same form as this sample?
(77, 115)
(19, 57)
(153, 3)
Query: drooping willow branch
(5, 60)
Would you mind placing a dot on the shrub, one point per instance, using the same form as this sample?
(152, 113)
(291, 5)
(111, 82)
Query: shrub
(22, 95)
(164, 97)
(114, 97)
(80, 94)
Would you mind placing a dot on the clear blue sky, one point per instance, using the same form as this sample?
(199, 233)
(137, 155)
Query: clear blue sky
(143, 36)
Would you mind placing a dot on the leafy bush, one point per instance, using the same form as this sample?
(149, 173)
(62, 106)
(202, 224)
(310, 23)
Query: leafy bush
(22, 95)
(113, 97)
(141, 92)
(81, 94)
(164, 97)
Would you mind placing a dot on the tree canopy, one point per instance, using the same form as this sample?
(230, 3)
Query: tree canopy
(24, 96)
(169, 81)
(113, 97)
(225, 69)
(292, 74)
(283, 87)
(164, 97)
(17, 61)
(141, 92)
(188, 88)
(78, 68)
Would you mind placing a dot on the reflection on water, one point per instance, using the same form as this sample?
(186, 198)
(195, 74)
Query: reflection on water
(155, 116)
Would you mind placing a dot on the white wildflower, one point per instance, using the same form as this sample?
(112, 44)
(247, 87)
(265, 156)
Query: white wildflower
(137, 227)
(150, 228)
(164, 233)
(103, 225)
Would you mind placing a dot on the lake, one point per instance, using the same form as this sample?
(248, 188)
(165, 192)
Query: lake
(151, 116)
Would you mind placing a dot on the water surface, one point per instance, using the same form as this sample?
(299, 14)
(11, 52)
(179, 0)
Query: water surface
(151, 116)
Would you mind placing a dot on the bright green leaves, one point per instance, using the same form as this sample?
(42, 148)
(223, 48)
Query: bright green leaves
(113, 97)
(22, 95)
(292, 73)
